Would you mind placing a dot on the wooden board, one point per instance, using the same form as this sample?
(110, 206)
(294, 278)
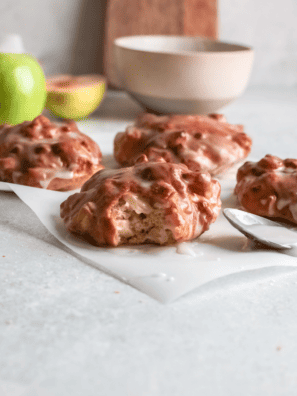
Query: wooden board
(176, 17)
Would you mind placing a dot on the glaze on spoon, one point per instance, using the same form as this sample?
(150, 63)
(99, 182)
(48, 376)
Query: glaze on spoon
(260, 229)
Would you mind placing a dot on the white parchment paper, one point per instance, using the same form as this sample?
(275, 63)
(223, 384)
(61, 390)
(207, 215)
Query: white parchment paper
(164, 273)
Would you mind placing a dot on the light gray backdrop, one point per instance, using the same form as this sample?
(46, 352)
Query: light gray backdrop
(67, 36)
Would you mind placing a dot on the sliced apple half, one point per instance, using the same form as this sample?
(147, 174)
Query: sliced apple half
(74, 97)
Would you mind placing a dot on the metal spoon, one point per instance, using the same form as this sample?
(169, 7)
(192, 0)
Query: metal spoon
(259, 229)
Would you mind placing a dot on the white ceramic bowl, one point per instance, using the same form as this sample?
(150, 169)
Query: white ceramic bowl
(178, 74)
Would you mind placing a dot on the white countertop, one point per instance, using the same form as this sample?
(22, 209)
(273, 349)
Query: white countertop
(68, 329)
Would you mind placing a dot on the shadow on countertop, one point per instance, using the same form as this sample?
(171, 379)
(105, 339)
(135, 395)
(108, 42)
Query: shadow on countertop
(118, 105)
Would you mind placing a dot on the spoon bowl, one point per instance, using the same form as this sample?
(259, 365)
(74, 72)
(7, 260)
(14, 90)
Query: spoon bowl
(260, 229)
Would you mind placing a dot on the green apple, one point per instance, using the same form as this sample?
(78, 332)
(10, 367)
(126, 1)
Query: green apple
(74, 97)
(22, 88)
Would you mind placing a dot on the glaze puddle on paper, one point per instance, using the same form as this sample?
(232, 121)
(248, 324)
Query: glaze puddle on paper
(164, 273)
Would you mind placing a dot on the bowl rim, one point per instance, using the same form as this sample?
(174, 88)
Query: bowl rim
(123, 43)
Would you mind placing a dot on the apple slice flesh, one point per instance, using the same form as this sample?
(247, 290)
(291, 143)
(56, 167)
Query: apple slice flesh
(74, 97)
(66, 82)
